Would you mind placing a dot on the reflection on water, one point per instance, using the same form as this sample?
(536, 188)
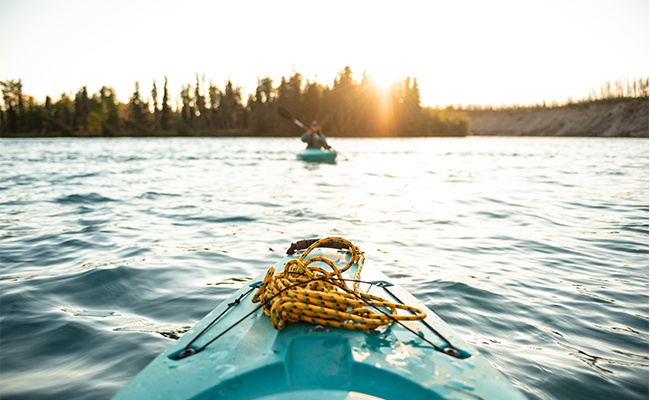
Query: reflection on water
(535, 250)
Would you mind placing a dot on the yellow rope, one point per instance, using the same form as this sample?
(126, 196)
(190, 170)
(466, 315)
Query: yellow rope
(304, 293)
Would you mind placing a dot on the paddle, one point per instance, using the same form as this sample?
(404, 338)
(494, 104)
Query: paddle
(284, 113)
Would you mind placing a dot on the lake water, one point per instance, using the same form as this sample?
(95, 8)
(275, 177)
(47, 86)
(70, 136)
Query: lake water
(533, 249)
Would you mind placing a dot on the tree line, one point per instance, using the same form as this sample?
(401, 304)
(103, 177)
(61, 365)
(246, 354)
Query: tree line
(609, 91)
(345, 108)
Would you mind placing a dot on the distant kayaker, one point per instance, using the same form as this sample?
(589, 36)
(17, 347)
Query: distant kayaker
(314, 137)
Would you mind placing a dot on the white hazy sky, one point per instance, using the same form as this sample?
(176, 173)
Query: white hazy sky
(465, 51)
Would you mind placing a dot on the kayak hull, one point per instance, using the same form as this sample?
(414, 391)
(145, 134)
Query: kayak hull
(315, 155)
(243, 357)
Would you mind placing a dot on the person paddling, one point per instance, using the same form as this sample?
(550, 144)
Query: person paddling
(315, 138)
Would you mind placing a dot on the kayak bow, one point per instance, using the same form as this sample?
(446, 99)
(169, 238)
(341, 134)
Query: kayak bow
(236, 353)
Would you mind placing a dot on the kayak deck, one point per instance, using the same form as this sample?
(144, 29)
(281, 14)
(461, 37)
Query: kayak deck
(239, 355)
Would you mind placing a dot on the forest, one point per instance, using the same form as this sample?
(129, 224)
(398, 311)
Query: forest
(346, 108)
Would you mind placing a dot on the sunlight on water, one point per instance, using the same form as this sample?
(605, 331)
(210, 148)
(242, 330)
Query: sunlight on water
(534, 250)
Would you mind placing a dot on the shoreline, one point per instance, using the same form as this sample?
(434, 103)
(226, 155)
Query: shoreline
(620, 117)
(626, 117)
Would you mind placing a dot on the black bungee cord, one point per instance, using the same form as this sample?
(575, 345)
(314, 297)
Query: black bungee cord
(188, 350)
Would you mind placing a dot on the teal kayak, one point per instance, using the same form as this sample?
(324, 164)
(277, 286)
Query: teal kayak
(235, 352)
(316, 155)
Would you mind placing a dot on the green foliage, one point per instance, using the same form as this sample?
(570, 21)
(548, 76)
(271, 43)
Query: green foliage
(12, 95)
(104, 113)
(346, 108)
(138, 118)
(350, 108)
(165, 111)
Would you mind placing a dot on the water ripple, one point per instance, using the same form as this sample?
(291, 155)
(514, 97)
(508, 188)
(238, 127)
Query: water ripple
(535, 250)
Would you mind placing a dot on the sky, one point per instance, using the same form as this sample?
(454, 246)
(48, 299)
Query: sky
(461, 52)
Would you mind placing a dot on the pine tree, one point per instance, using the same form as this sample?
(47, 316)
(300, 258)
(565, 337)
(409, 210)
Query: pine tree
(165, 111)
(201, 110)
(12, 94)
(81, 111)
(215, 98)
(139, 109)
(156, 112)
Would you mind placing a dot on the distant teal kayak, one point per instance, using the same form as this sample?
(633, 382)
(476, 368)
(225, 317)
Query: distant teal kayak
(235, 352)
(315, 155)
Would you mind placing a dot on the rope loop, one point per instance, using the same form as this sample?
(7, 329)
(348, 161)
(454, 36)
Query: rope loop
(303, 292)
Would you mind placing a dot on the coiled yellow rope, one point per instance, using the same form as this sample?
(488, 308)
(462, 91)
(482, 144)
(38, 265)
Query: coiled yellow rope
(311, 294)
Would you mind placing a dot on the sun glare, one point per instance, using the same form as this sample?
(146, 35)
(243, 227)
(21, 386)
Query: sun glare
(383, 81)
